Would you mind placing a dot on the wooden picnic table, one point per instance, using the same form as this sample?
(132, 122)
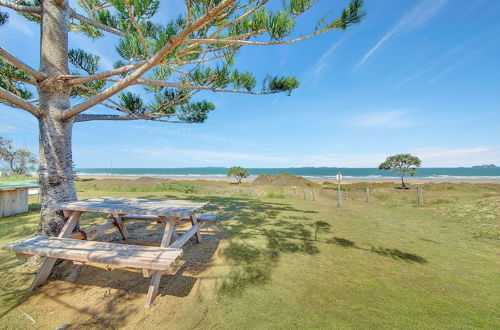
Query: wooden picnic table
(152, 260)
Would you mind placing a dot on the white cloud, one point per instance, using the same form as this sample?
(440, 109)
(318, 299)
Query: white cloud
(173, 157)
(7, 128)
(418, 16)
(453, 157)
(21, 25)
(323, 62)
(384, 119)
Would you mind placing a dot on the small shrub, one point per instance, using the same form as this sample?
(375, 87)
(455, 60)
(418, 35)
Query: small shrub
(274, 195)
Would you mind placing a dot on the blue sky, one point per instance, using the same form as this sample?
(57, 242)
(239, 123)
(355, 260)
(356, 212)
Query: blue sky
(414, 76)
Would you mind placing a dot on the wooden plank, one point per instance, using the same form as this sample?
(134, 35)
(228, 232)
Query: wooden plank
(123, 255)
(147, 272)
(93, 231)
(1, 203)
(121, 227)
(184, 238)
(194, 221)
(154, 285)
(180, 208)
(47, 265)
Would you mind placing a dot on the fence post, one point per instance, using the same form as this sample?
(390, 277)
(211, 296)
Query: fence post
(420, 196)
(367, 196)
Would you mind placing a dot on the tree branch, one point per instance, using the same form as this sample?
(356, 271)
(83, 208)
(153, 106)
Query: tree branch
(150, 82)
(153, 61)
(20, 64)
(19, 102)
(24, 9)
(75, 15)
(78, 80)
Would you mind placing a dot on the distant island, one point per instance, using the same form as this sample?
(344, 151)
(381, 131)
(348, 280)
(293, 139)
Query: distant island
(485, 166)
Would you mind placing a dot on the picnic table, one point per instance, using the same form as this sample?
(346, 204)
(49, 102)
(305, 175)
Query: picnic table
(78, 247)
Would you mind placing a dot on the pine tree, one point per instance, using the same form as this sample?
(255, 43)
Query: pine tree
(193, 53)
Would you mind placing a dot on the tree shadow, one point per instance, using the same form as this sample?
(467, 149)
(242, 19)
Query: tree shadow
(385, 252)
(259, 233)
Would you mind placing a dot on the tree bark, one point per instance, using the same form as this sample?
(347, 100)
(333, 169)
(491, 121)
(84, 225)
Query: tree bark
(55, 174)
(403, 182)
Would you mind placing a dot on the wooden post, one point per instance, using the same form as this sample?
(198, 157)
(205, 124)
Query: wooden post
(313, 195)
(339, 199)
(367, 196)
(420, 197)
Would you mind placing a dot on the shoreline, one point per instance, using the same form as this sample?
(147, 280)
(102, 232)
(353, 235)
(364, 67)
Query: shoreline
(317, 180)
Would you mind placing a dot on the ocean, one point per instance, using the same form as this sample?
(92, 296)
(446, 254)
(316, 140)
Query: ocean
(324, 173)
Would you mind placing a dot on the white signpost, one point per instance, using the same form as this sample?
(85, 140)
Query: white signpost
(339, 200)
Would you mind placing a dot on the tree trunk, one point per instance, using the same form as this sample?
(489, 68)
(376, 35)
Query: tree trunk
(403, 182)
(55, 174)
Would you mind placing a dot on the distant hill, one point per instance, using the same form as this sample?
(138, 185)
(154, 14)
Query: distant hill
(485, 166)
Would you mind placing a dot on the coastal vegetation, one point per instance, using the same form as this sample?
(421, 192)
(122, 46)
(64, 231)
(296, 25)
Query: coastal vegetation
(173, 60)
(16, 161)
(286, 251)
(401, 164)
(238, 172)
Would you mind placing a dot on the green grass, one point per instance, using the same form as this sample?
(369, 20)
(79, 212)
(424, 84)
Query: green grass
(289, 261)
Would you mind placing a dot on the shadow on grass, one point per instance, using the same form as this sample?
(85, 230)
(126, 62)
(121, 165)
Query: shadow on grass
(259, 233)
(385, 252)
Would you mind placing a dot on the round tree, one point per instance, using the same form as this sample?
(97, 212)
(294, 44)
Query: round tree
(238, 172)
(401, 164)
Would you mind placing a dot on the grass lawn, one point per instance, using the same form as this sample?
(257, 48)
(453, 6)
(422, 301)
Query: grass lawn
(283, 257)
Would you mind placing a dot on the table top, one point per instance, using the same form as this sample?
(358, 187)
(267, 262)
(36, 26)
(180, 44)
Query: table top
(14, 187)
(153, 207)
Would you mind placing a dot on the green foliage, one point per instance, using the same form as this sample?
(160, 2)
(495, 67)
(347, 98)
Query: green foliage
(280, 84)
(194, 67)
(84, 61)
(133, 102)
(238, 172)
(274, 195)
(3, 18)
(401, 164)
(12, 79)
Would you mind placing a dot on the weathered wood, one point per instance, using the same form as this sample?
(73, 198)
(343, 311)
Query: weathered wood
(185, 237)
(180, 208)
(420, 196)
(201, 218)
(20, 255)
(169, 229)
(367, 195)
(93, 231)
(147, 272)
(194, 221)
(14, 199)
(47, 265)
(123, 255)
(117, 219)
(154, 285)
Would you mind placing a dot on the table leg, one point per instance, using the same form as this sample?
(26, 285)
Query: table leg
(48, 263)
(154, 284)
(117, 220)
(193, 222)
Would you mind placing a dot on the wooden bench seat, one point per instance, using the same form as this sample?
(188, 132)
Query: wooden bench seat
(123, 255)
(200, 217)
